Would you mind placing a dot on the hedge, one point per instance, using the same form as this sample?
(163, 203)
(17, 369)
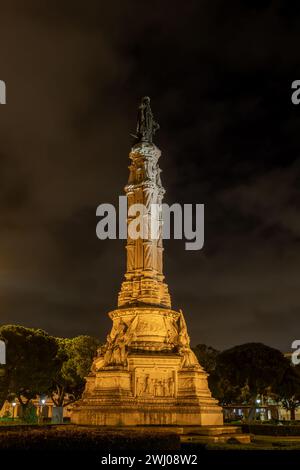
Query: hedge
(271, 429)
(88, 439)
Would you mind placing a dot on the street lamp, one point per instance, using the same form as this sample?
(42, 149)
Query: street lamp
(14, 406)
(43, 401)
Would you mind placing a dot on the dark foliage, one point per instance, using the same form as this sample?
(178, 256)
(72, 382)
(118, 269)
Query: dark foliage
(88, 439)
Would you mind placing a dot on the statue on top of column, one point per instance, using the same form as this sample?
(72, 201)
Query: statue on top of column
(146, 126)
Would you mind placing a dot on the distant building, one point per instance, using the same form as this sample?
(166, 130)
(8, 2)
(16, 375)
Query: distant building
(44, 409)
(267, 409)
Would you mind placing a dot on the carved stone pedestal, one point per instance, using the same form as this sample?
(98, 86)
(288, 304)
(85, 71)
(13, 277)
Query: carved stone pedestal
(160, 382)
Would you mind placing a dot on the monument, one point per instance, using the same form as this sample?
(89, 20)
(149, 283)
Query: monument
(146, 373)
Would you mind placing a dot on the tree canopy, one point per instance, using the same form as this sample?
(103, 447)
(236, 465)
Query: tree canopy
(75, 356)
(31, 362)
(288, 390)
(207, 357)
(255, 365)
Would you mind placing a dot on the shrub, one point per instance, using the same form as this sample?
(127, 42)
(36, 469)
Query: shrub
(272, 430)
(63, 438)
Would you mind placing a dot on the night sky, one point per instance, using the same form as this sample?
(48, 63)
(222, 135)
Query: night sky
(219, 74)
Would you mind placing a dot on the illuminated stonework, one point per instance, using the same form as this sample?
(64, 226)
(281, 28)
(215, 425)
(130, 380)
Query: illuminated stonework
(144, 277)
(146, 373)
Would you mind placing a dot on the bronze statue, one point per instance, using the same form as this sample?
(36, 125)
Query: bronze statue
(146, 126)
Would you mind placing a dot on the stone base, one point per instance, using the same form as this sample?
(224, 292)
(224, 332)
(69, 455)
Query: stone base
(113, 397)
(147, 375)
(168, 414)
(213, 434)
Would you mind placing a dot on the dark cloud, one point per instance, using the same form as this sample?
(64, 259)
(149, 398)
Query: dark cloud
(219, 74)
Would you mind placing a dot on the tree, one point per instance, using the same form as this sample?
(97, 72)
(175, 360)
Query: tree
(288, 390)
(227, 393)
(3, 387)
(207, 357)
(75, 356)
(31, 362)
(254, 368)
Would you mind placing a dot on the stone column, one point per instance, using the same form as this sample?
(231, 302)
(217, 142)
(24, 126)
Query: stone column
(144, 256)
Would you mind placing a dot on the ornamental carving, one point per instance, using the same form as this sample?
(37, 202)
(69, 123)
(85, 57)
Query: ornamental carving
(153, 385)
(115, 349)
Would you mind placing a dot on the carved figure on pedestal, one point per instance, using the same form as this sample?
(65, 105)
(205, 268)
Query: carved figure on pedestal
(139, 386)
(152, 387)
(147, 384)
(115, 349)
(131, 330)
(149, 170)
(98, 362)
(132, 170)
(109, 349)
(158, 179)
(189, 358)
(101, 350)
(171, 386)
(119, 351)
(170, 338)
